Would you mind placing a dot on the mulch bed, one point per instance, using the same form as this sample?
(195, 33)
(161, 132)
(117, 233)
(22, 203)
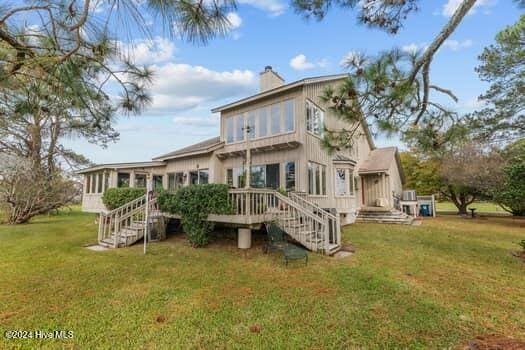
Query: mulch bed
(495, 342)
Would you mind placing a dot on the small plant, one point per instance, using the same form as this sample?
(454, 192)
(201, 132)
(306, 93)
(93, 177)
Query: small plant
(522, 244)
(283, 191)
(117, 197)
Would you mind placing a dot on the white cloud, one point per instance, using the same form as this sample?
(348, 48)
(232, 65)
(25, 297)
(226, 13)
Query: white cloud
(153, 51)
(181, 86)
(234, 19)
(456, 45)
(451, 5)
(300, 62)
(274, 7)
(212, 121)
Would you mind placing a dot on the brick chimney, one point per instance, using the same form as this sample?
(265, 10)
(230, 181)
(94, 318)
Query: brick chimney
(270, 79)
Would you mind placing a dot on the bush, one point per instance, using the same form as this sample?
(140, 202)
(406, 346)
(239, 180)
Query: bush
(194, 204)
(117, 197)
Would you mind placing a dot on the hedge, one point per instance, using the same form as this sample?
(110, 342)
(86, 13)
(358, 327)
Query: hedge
(194, 204)
(117, 197)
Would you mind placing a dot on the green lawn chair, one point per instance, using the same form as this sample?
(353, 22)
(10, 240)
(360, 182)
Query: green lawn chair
(276, 239)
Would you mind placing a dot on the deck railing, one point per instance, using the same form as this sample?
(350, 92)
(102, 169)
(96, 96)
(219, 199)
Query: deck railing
(310, 225)
(112, 224)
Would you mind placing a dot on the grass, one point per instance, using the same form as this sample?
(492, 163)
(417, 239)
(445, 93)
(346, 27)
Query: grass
(481, 207)
(431, 286)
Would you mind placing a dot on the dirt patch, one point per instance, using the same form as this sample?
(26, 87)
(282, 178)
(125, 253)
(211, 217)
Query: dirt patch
(256, 328)
(495, 342)
(520, 255)
(348, 247)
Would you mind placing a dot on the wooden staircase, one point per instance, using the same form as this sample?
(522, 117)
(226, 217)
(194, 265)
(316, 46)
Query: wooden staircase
(383, 216)
(126, 225)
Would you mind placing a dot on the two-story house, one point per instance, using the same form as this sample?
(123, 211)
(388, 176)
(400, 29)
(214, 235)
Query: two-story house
(277, 134)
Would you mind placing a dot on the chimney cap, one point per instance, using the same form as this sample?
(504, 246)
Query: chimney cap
(267, 68)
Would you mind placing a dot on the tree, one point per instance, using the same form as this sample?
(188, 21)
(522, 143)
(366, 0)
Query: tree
(393, 90)
(510, 195)
(503, 65)
(421, 174)
(60, 69)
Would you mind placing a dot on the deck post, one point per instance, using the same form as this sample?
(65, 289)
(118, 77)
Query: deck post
(245, 238)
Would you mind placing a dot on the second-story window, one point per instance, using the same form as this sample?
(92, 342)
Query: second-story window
(276, 119)
(251, 123)
(289, 115)
(314, 118)
(239, 128)
(262, 130)
(229, 130)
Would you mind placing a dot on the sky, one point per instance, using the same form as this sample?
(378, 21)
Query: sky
(192, 79)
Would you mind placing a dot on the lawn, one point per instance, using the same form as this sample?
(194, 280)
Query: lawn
(435, 285)
(481, 207)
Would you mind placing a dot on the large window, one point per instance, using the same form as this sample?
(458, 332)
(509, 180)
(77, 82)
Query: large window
(123, 180)
(314, 118)
(88, 183)
(265, 176)
(229, 130)
(344, 182)
(229, 177)
(262, 130)
(289, 173)
(239, 128)
(94, 183)
(175, 181)
(100, 183)
(194, 177)
(200, 176)
(251, 124)
(106, 181)
(276, 119)
(140, 180)
(289, 115)
(316, 179)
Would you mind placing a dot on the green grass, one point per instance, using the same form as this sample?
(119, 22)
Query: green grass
(481, 207)
(431, 286)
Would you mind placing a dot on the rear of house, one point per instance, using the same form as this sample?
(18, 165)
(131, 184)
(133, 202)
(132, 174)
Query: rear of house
(277, 135)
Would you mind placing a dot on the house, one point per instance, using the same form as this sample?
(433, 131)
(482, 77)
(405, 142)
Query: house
(278, 131)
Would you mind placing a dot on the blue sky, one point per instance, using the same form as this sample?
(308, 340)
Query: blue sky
(190, 80)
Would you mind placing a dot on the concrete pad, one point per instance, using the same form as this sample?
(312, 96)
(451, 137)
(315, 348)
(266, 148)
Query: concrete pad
(416, 222)
(342, 254)
(97, 248)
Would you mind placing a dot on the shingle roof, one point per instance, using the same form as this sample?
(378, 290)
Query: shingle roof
(200, 147)
(280, 89)
(379, 160)
(342, 158)
(120, 166)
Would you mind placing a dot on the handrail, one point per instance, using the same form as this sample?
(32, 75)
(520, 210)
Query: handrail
(310, 204)
(125, 205)
(298, 207)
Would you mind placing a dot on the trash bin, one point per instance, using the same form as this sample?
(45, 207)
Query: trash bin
(425, 210)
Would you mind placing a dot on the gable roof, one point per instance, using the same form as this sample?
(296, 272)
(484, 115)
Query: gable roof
(130, 165)
(280, 89)
(380, 159)
(202, 147)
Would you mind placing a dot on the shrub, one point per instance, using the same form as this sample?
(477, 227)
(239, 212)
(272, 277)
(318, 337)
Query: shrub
(522, 244)
(194, 204)
(117, 197)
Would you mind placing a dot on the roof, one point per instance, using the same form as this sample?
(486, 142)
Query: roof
(342, 158)
(280, 89)
(205, 146)
(120, 166)
(380, 160)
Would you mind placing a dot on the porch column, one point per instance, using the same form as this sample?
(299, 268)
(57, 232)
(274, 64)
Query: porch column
(245, 238)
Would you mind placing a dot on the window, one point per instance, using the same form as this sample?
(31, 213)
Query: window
(351, 182)
(263, 122)
(203, 176)
(289, 115)
(229, 130)
(289, 175)
(265, 176)
(258, 176)
(106, 181)
(94, 183)
(251, 125)
(140, 180)
(239, 177)
(194, 177)
(157, 183)
(100, 182)
(88, 183)
(276, 118)
(341, 182)
(314, 118)
(316, 179)
(123, 180)
(175, 181)
(229, 177)
(239, 128)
